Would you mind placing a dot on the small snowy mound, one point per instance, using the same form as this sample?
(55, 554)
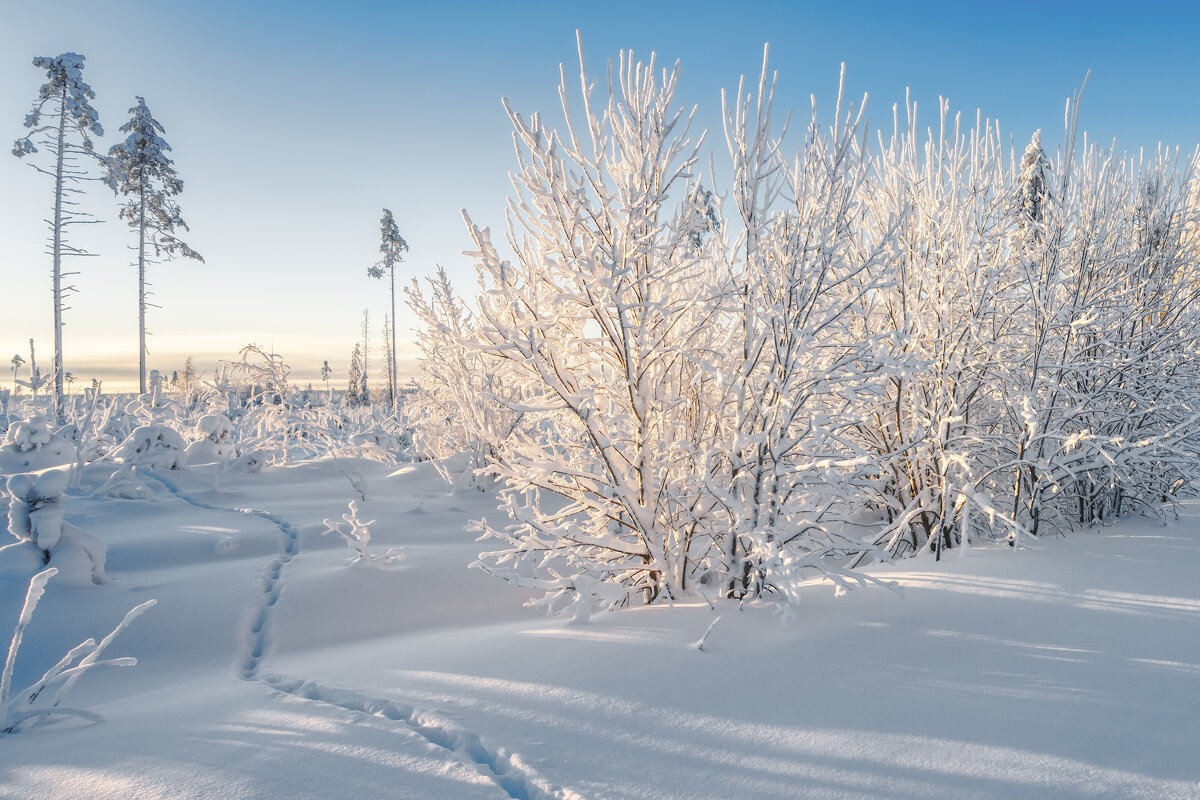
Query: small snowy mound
(154, 446)
(250, 462)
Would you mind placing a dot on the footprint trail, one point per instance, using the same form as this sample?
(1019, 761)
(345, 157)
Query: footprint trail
(508, 771)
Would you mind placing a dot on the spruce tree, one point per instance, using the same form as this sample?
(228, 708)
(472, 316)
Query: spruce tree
(364, 388)
(140, 169)
(354, 384)
(1034, 180)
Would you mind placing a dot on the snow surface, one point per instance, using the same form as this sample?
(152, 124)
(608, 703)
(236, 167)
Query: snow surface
(274, 667)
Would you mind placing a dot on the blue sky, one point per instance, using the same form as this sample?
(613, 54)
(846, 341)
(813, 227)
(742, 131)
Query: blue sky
(295, 123)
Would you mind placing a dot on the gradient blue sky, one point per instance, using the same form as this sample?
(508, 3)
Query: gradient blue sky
(294, 123)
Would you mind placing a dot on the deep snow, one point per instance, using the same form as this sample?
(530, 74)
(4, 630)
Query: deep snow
(272, 667)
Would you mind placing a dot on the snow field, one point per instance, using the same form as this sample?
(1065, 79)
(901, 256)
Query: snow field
(1068, 672)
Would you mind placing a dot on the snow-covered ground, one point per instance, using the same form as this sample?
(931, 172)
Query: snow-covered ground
(271, 667)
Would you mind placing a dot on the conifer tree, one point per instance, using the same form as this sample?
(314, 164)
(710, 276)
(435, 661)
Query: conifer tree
(62, 121)
(364, 387)
(354, 384)
(16, 362)
(140, 169)
(1034, 180)
(393, 247)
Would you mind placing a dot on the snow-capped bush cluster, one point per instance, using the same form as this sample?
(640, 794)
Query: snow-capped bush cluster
(247, 416)
(244, 420)
(34, 443)
(868, 346)
(27, 436)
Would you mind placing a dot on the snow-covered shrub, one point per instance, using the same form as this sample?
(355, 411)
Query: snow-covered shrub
(215, 428)
(155, 446)
(28, 435)
(34, 444)
(152, 408)
(35, 515)
(250, 462)
(212, 439)
(356, 533)
(91, 441)
(1047, 319)
(36, 701)
(458, 392)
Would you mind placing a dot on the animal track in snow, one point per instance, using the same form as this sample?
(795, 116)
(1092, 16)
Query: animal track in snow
(507, 770)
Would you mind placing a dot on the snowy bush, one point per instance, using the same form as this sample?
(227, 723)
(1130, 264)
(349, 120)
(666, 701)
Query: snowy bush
(356, 533)
(35, 515)
(212, 439)
(459, 414)
(153, 446)
(684, 381)
(34, 444)
(215, 428)
(29, 435)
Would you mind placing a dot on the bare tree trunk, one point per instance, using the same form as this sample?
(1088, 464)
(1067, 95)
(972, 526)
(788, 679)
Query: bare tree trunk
(392, 365)
(142, 289)
(59, 411)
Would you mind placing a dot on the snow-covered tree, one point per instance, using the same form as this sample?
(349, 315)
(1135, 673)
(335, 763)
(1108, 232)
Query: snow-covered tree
(355, 381)
(796, 366)
(140, 169)
(857, 350)
(36, 379)
(678, 390)
(63, 122)
(393, 247)
(464, 405)
(939, 203)
(16, 362)
(364, 387)
(1034, 180)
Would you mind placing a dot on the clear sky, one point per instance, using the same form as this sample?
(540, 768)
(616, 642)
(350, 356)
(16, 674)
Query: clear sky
(294, 123)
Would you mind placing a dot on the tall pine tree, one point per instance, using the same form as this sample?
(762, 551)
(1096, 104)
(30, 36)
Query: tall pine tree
(62, 121)
(140, 169)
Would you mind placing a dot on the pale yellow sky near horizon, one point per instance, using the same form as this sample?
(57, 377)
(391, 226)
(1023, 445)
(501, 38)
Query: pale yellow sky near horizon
(119, 374)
